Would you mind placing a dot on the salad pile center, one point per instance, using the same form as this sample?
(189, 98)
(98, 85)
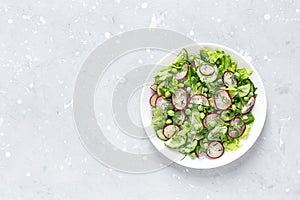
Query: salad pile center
(202, 103)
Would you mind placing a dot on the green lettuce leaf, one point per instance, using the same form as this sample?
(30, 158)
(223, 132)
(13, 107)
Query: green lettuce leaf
(244, 73)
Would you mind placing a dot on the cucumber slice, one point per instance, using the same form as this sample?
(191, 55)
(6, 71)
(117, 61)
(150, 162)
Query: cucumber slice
(177, 140)
(216, 132)
(244, 90)
(160, 135)
(189, 147)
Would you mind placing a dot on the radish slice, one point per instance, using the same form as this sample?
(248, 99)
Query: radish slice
(161, 102)
(207, 69)
(200, 99)
(228, 79)
(208, 119)
(248, 107)
(179, 99)
(170, 130)
(215, 149)
(183, 73)
(153, 99)
(153, 88)
(237, 128)
(222, 99)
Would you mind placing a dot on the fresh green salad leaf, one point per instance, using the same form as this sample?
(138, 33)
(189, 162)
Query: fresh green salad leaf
(244, 73)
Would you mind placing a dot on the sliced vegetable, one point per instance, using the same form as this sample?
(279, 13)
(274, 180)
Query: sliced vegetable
(183, 73)
(248, 107)
(179, 99)
(222, 99)
(153, 88)
(153, 99)
(244, 90)
(208, 78)
(160, 135)
(229, 79)
(215, 149)
(177, 140)
(189, 147)
(236, 128)
(200, 99)
(207, 69)
(170, 130)
(209, 121)
(162, 103)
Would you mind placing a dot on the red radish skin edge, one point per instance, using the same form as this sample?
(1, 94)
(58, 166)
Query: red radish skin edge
(251, 107)
(207, 74)
(153, 88)
(217, 156)
(228, 71)
(159, 97)
(229, 98)
(167, 126)
(154, 101)
(244, 128)
(186, 98)
(196, 154)
(202, 96)
(186, 73)
(203, 120)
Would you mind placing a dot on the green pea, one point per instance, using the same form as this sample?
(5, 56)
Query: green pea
(192, 155)
(188, 111)
(180, 85)
(246, 98)
(174, 70)
(171, 113)
(167, 94)
(200, 108)
(202, 115)
(205, 89)
(233, 107)
(169, 121)
(190, 105)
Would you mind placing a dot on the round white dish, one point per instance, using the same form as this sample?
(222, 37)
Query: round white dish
(259, 111)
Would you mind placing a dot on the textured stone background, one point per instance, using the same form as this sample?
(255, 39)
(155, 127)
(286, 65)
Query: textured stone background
(44, 43)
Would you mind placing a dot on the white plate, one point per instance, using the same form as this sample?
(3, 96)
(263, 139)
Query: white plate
(259, 111)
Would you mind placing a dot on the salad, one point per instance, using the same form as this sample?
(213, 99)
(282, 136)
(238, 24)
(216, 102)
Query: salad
(201, 104)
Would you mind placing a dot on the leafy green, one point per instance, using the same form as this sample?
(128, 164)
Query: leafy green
(159, 118)
(223, 61)
(244, 73)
